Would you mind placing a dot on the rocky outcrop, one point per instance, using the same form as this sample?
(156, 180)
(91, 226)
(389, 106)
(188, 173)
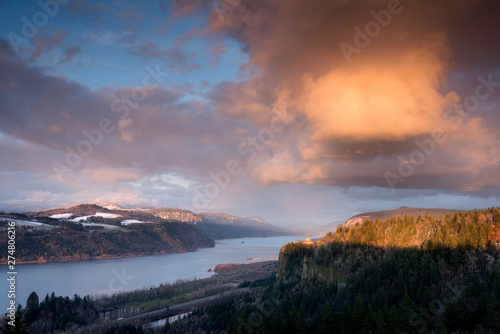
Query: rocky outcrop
(293, 264)
(221, 218)
(184, 216)
(282, 262)
(254, 220)
(322, 273)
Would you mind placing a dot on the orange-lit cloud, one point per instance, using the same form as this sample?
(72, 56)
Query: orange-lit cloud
(353, 119)
(388, 99)
(110, 175)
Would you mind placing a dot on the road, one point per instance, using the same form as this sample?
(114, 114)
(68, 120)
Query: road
(166, 312)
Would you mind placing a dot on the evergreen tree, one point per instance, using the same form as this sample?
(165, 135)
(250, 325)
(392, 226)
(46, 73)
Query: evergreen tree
(19, 324)
(31, 312)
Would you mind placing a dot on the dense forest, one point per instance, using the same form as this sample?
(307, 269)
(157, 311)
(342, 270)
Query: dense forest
(399, 275)
(69, 241)
(472, 229)
(61, 315)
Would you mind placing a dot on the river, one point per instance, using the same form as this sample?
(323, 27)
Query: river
(94, 277)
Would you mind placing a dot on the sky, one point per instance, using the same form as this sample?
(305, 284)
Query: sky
(302, 112)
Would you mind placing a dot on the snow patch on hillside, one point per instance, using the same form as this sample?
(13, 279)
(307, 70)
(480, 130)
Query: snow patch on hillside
(62, 216)
(97, 214)
(28, 223)
(133, 221)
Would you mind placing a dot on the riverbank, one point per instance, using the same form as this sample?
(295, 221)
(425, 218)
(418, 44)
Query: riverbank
(98, 257)
(227, 268)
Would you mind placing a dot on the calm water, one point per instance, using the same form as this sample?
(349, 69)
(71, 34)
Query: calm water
(112, 275)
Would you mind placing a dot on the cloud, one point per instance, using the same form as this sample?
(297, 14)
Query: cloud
(151, 128)
(282, 167)
(123, 126)
(186, 7)
(110, 175)
(70, 53)
(44, 199)
(43, 44)
(387, 99)
(174, 57)
(353, 119)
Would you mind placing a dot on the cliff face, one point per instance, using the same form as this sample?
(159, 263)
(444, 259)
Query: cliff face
(206, 218)
(282, 262)
(305, 267)
(323, 273)
(184, 216)
(254, 220)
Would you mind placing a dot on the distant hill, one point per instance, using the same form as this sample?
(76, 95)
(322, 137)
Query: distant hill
(185, 216)
(110, 205)
(232, 231)
(400, 212)
(90, 231)
(225, 226)
(381, 215)
(214, 225)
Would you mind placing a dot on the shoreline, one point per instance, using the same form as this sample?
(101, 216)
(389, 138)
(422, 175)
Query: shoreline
(227, 268)
(99, 257)
(3, 262)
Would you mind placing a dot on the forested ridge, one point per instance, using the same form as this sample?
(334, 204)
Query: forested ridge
(476, 228)
(72, 241)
